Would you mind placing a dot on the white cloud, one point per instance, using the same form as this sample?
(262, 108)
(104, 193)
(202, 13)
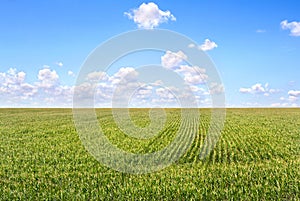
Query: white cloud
(276, 105)
(124, 76)
(193, 74)
(60, 64)
(97, 76)
(261, 31)
(146, 90)
(273, 91)
(294, 93)
(190, 69)
(104, 88)
(12, 77)
(47, 78)
(208, 45)
(157, 83)
(286, 104)
(172, 59)
(71, 73)
(164, 93)
(245, 90)
(195, 88)
(48, 90)
(149, 16)
(192, 45)
(126, 72)
(84, 90)
(14, 87)
(294, 27)
(258, 89)
(292, 98)
(216, 88)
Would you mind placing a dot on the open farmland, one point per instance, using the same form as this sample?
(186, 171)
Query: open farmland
(257, 157)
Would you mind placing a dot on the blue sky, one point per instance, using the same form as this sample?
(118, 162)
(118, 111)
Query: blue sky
(44, 43)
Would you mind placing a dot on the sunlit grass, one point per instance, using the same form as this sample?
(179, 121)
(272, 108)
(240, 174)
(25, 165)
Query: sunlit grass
(257, 157)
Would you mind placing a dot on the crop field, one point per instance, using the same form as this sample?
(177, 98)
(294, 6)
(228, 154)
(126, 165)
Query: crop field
(256, 157)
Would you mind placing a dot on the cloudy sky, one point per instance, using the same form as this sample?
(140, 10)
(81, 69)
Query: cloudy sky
(255, 46)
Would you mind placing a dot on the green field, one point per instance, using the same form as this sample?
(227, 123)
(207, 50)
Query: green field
(257, 157)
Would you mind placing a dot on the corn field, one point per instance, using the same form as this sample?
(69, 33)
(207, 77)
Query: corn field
(257, 156)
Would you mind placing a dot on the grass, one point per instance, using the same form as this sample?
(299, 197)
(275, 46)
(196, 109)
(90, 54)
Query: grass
(257, 157)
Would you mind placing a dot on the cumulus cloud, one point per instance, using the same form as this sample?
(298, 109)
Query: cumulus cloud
(126, 72)
(245, 90)
(164, 93)
(116, 87)
(145, 91)
(97, 76)
(105, 88)
(290, 101)
(47, 78)
(13, 85)
(50, 92)
(196, 88)
(294, 27)
(294, 93)
(192, 45)
(258, 89)
(12, 76)
(292, 98)
(71, 73)
(172, 60)
(48, 89)
(124, 76)
(216, 88)
(60, 64)
(207, 45)
(149, 16)
(193, 74)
